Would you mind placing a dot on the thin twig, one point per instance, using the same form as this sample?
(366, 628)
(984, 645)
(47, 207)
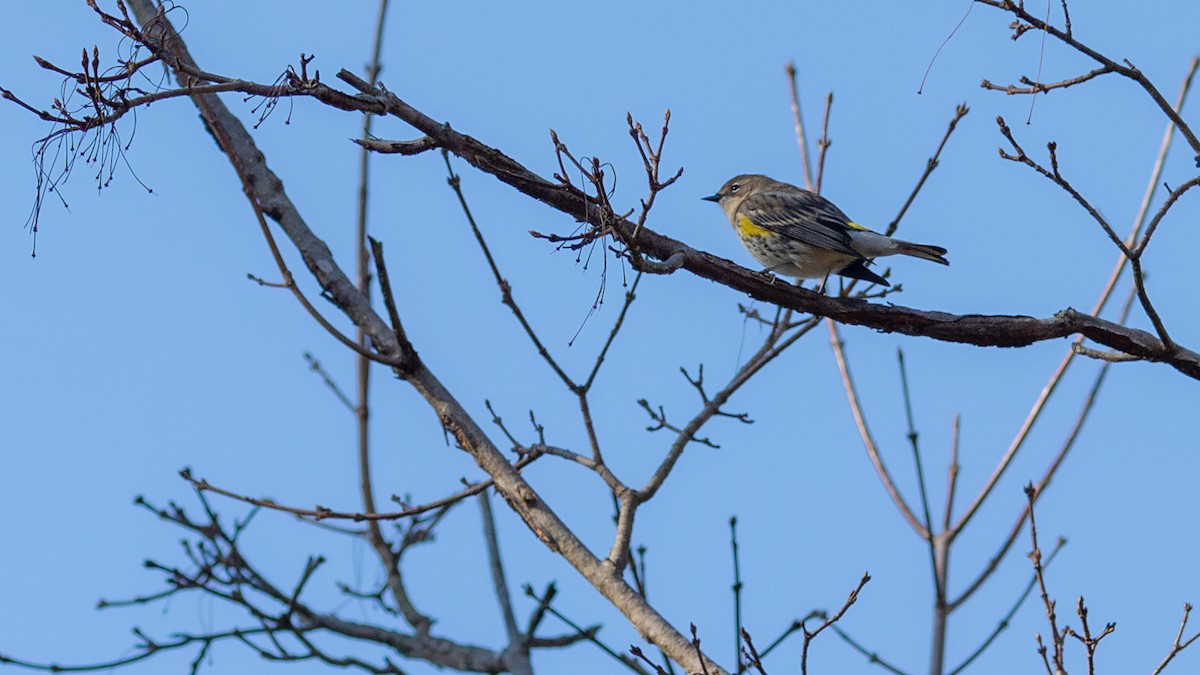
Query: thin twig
(913, 439)
(960, 111)
(823, 143)
(952, 473)
(1038, 570)
(872, 657)
(506, 295)
(1003, 624)
(829, 621)
(1068, 443)
(363, 408)
(499, 584)
(1126, 70)
(322, 513)
(737, 595)
(798, 123)
(315, 366)
(1179, 644)
(864, 432)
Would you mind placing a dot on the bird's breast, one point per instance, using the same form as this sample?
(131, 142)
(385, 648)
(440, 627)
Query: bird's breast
(746, 228)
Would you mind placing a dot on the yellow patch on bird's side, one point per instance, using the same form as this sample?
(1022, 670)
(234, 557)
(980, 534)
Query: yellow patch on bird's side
(747, 228)
(855, 226)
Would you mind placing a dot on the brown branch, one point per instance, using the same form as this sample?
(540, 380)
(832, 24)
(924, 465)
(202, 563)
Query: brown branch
(932, 163)
(829, 621)
(1179, 644)
(1126, 70)
(798, 123)
(321, 513)
(538, 516)
(1080, 419)
(1110, 356)
(1054, 176)
(868, 440)
(413, 147)
(1003, 624)
(1151, 187)
(1060, 371)
(506, 294)
(872, 657)
(981, 330)
(1089, 641)
(1037, 87)
(773, 346)
(1049, 605)
(223, 570)
(952, 474)
(823, 143)
(1134, 255)
(146, 649)
(389, 558)
(518, 649)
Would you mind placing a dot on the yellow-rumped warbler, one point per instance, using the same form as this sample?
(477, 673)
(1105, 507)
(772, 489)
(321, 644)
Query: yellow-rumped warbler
(801, 234)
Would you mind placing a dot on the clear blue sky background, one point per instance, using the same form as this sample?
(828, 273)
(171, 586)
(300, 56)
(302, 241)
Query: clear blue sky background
(133, 345)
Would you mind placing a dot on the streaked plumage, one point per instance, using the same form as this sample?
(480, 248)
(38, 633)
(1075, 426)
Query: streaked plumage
(801, 234)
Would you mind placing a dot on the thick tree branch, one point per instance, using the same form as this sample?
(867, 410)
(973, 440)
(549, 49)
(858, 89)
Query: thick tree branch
(538, 516)
(976, 329)
(981, 330)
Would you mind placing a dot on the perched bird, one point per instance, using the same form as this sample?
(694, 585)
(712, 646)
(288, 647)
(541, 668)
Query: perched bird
(801, 234)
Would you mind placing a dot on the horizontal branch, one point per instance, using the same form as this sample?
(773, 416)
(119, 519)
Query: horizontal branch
(974, 329)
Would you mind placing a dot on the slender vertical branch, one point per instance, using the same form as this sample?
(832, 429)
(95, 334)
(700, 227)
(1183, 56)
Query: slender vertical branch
(952, 474)
(798, 122)
(1038, 570)
(939, 547)
(1080, 419)
(913, 440)
(1057, 376)
(1004, 621)
(388, 558)
(496, 567)
(864, 432)
(823, 143)
(363, 259)
(1179, 644)
(737, 595)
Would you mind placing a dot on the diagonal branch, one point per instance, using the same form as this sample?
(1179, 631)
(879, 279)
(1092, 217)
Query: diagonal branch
(860, 421)
(976, 329)
(267, 190)
(1127, 69)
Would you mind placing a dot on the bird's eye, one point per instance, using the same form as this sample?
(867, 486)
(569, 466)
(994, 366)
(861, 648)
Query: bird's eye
(735, 187)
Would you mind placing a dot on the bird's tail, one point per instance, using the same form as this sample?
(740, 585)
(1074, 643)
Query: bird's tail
(924, 251)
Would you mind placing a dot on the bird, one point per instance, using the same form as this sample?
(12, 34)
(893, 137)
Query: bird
(799, 233)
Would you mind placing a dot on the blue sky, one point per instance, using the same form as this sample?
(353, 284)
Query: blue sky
(134, 345)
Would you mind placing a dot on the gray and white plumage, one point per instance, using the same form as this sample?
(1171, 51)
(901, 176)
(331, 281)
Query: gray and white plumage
(799, 233)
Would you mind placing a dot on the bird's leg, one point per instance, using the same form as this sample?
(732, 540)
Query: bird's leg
(770, 271)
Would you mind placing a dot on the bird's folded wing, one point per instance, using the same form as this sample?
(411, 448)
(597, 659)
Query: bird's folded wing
(804, 217)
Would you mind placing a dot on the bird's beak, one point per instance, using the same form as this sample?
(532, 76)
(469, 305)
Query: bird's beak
(712, 198)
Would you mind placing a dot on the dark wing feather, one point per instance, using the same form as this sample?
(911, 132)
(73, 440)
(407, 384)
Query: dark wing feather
(806, 217)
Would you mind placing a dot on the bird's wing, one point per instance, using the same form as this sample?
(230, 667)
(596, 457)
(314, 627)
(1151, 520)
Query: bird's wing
(806, 217)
